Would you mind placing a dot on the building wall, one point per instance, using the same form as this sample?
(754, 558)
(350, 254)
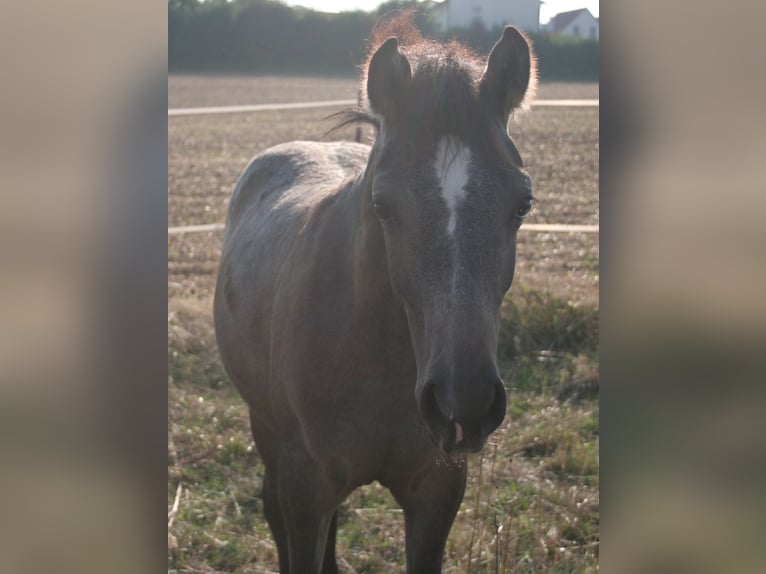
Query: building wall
(440, 15)
(524, 14)
(581, 27)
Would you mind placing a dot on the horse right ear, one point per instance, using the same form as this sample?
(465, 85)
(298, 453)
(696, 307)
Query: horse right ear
(388, 80)
(511, 75)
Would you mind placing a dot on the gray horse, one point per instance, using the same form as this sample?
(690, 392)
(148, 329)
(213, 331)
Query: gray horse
(359, 291)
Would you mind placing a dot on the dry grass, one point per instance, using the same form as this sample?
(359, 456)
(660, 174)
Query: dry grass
(532, 499)
(531, 504)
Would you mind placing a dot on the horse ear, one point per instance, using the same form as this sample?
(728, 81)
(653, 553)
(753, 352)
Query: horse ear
(510, 75)
(388, 79)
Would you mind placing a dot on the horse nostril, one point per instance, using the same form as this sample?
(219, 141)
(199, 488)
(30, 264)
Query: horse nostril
(465, 424)
(496, 413)
(429, 407)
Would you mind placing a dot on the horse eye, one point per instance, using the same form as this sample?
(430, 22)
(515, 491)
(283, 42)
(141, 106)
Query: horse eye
(524, 208)
(381, 210)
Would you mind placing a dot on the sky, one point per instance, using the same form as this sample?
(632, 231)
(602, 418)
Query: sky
(548, 9)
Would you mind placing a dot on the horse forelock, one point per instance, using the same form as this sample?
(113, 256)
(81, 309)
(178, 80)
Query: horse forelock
(443, 99)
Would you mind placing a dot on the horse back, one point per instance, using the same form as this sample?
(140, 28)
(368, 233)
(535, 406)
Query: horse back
(292, 177)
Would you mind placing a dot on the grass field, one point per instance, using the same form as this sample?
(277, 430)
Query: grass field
(532, 500)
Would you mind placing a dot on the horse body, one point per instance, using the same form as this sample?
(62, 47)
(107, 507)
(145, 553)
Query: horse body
(325, 334)
(362, 334)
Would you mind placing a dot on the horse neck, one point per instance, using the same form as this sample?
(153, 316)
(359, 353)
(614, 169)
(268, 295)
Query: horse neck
(374, 295)
(378, 323)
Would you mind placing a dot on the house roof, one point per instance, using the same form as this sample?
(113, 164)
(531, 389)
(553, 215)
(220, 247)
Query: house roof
(437, 3)
(562, 20)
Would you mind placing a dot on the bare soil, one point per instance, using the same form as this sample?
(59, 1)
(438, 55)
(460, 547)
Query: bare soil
(191, 91)
(207, 154)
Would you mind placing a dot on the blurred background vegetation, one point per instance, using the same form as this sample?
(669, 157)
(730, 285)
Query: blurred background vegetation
(266, 36)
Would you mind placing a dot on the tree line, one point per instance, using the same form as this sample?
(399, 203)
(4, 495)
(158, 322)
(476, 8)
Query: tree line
(266, 36)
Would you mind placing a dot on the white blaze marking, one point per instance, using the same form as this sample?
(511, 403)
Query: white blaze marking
(452, 160)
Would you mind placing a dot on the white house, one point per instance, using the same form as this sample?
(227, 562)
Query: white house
(524, 14)
(579, 23)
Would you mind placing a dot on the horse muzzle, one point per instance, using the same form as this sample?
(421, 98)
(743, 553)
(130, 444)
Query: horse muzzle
(461, 415)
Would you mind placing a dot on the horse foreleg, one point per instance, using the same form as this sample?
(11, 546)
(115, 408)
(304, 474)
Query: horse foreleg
(429, 511)
(268, 445)
(330, 565)
(308, 501)
(273, 512)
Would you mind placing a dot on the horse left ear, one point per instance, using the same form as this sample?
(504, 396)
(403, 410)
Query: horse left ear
(388, 78)
(510, 76)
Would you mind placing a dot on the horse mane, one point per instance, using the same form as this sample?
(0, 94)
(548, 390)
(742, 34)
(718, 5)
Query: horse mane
(399, 23)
